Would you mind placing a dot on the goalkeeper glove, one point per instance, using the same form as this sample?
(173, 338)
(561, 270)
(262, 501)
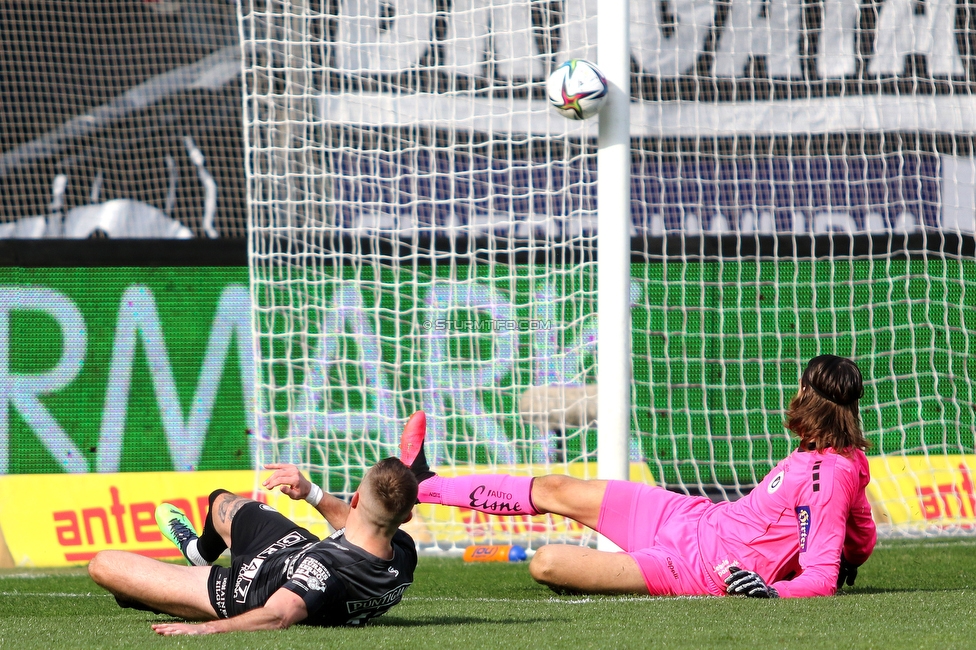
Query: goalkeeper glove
(848, 572)
(747, 583)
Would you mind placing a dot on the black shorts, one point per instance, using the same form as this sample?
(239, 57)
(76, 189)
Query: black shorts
(255, 529)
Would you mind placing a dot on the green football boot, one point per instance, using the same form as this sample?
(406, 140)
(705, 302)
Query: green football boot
(176, 527)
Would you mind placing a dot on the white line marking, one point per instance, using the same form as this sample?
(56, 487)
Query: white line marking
(889, 545)
(555, 601)
(52, 594)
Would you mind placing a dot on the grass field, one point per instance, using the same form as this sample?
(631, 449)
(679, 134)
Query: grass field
(910, 595)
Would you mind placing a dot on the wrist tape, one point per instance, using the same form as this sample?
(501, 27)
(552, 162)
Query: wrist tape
(314, 495)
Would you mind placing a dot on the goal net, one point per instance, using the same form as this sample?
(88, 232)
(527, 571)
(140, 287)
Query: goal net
(423, 235)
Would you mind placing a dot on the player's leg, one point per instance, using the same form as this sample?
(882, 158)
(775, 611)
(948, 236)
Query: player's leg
(496, 494)
(580, 500)
(579, 569)
(222, 529)
(250, 527)
(500, 494)
(630, 514)
(656, 571)
(169, 588)
(206, 548)
(224, 507)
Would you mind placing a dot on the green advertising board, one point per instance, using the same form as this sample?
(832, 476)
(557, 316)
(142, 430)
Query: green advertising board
(150, 368)
(125, 369)
(719, 348)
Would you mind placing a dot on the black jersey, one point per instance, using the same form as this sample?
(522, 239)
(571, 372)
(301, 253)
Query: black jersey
(340, 583)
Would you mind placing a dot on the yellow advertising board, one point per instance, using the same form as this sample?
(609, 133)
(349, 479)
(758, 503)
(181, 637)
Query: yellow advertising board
(64, 519)
(923, 491)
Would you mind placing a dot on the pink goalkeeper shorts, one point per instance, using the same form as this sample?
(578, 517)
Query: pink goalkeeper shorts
(659, 529)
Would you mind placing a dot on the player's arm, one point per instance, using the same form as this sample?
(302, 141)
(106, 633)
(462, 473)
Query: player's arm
(861, 534)
(294, 484)
(858, 544)
(822, 538)
(820, 561)
(283, 609)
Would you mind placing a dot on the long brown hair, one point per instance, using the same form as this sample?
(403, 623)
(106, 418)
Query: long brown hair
(824, 414)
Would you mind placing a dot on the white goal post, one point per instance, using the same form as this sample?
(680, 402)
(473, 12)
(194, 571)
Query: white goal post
(613, 248)
(794, 179)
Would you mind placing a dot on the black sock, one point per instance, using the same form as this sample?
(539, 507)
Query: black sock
(211, 544)
(419, 466)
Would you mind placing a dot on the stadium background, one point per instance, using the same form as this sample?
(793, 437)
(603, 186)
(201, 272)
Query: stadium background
(183, 401)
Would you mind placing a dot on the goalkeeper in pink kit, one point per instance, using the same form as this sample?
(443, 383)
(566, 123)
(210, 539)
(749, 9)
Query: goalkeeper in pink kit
(803, 531)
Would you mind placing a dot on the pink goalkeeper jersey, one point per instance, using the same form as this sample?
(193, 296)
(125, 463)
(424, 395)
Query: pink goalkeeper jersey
(792, 527)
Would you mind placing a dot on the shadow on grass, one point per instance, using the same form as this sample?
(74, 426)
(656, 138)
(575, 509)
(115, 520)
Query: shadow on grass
(863, 591)
(390, 621)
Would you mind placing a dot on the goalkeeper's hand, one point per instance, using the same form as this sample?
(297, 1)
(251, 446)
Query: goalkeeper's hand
(747, 583)
(848, 572)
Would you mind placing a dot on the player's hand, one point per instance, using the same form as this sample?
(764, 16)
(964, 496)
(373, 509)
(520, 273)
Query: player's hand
(747, 583)
(848, 572)
(289, 478)
(179, 629)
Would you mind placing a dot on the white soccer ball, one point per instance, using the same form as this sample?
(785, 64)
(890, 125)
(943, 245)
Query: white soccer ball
(577, 89)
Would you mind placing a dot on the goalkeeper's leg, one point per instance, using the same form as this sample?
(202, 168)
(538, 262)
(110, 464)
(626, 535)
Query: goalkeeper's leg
(656, 570)
(500, 494)
(580, 569)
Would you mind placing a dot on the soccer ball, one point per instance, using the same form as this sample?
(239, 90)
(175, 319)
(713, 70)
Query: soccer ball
(577, 89)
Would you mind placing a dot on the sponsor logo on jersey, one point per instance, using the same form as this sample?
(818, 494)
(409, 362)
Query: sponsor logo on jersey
(393, 571)
(251, 569)
(247, 574)
(378, 604)
(220, 595)
(722, 568)
(776, 482)
(311, 575)
(267, 507)
(672, 569)
(244, 579)
(295, 559)
(290, 539)
(803, 521)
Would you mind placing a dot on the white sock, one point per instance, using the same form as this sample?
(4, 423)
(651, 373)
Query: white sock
(193, 555)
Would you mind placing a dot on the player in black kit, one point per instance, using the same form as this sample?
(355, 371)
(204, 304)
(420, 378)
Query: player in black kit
(280, 573)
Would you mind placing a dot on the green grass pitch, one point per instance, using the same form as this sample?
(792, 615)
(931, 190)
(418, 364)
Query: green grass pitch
(916, 595)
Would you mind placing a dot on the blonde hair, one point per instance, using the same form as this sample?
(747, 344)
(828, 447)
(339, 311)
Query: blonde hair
(824, 414)
(388, 493)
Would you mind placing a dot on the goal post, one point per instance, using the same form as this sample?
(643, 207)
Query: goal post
(614, 375)
(426, 233)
